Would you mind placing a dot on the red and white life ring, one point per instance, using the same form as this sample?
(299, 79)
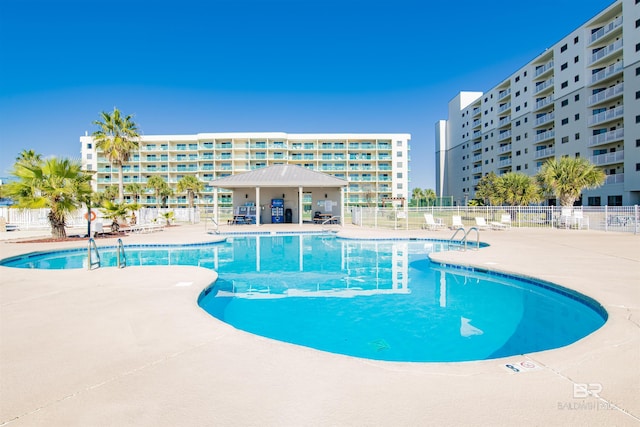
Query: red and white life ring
(93, 216)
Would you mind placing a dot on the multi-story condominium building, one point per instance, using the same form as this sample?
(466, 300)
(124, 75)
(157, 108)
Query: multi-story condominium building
(375, 165)
(580, 97)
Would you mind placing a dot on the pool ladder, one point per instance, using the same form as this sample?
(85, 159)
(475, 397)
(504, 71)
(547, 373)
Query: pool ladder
(462, 244)
(93, 253)
(121, 257)
(93, 248)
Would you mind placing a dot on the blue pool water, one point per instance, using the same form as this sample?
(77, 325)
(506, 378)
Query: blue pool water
(373, 299)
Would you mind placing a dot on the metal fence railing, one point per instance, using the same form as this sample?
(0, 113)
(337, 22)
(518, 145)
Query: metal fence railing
(605, 218)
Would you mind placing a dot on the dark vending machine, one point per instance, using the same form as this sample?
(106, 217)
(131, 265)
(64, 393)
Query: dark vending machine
(277, 211)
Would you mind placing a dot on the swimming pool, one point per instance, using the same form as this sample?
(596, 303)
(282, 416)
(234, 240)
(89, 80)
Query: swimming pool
(381, 300)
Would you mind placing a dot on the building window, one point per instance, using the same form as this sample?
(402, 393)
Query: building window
(565, 139)
(638, 94)
(576, 117)
(614, 200)
(576, 98)
(564, 103)
(593, 201)
(563, 48)
(399, 175)
(398, 143)
(563, 66)
(637, 167)
(637, 47)
(576, 59)
(564, 84)
(576, 78)
(577, 136)
(565, 121)
(575, 40)
(89, 156)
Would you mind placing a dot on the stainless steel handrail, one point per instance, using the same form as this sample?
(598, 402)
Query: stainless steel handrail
(121, 256)
(463, 242)
(90, 263)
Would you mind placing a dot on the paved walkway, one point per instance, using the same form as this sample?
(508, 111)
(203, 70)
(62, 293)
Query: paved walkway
(131, 347)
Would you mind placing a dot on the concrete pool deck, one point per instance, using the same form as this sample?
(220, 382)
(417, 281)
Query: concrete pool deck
(132, 347)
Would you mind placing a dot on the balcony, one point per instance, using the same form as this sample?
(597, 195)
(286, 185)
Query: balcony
(606, 138)
(476, 111)
(547, 152)
(504, 107)
(543, 69)
(504, 135)
(610, 72)
(543, 87)
(476, 123)
(605, 52)
(504, 93)
(606, 95)
(608, 158)
(543, 136)
(504, 121)
(544, 102)
(544, 119)
(504, 163)
(617, 178)
(606, 116)
(606, 30)
(504, 149)
(477, 134)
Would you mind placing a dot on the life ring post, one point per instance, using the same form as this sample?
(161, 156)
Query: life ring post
(91, 214)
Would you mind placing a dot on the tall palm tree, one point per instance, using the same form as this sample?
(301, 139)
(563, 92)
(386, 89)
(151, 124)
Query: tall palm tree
(192, 186)
(117, 138)
(487, 189)
(517, 189)
(429, 195)
(160, 188)
(29, 158)
(417, 194)
(136, 189)
(58, 184)
(567, 177)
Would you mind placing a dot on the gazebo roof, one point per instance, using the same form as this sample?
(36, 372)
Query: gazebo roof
(280, 176)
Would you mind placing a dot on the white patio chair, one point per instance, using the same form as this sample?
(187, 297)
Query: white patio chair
(505, 223)
(481, 223)
(456, 222)
(431, 223)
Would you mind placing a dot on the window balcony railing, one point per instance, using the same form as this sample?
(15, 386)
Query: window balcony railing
(544, 85)
(547, 152)
(544, 102)
(606, 138)
(504, 135)
(504, 163)
(543, 69)
(545, 118)
(610, 71)
(543, 136)
(504, 148)
(504, 107)
(606, 95)
(504, 93)
(608, 158)
(617, 178)
(607, 29)
(606, 51)
(606, 116)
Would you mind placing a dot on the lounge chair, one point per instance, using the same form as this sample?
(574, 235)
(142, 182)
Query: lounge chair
(431, 224)
(481, 223)
(456, 222)
(505, 223)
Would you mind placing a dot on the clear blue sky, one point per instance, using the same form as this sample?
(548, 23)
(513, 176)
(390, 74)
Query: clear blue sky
(185, 67)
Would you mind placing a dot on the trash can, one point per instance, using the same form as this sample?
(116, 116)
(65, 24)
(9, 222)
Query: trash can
(288, 216)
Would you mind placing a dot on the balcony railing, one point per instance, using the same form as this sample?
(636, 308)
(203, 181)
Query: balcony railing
(504, 94)
(606, 95)
(544, 136)
(504, 107)
(504, 148)
(542, 86)
(541, 70)
(544, 102)
(504, 135)
(608, 72)
(617, 178)
(607, 158)
(606, 116)
(547, 152)
(606, 138)
(606, 51)
(504, 163)
(545, 118)
(616, 23)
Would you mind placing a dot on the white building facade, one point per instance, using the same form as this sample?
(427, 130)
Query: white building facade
(579, 98)
(376, 165)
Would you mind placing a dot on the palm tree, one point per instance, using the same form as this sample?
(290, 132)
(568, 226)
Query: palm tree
(160, 188)
(418, 195)
(192, 186)
(429, 195)
(29, 158)
(58, 184)
(487, 189)
(136, 189)
(117, 138)
(116, 212)
(567, 178)
(517, 189)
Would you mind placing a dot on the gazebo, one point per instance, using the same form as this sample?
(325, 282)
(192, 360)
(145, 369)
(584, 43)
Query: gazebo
(275, 194)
